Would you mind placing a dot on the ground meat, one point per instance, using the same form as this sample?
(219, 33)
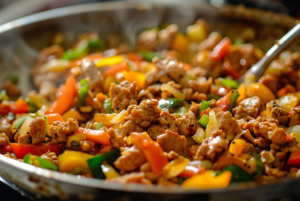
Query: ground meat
(122, 95)
(262, 126)
(171, 70)
(166, 36)
(253, 105)
(48, 90)
(171, 141)
(37, 130)
(201, 85)
(130, 178)
(11, 89)
(154, 90)
(187, 124)
(277, 136)
(133, 159)
(212, 147)
(131, 126)
(228, 125)
(274, 171)
(164, 122)
(240, 58)
(148, 40)
(116, 139)
(280, 114)
(295, 116)
(50, 156)
(4, 140)
(239, 112)
(247, 135)
(209, 43)
(280, 158)
(191, 96)
(144, 114)
(5, 127)
(87, 146)
(59, 131)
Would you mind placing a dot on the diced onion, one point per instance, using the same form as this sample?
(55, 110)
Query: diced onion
(176, 167)
(119, 117)
(199, 136)
(288, 101)
(176, 93)
(296, 132)
(55, 65)
(212, 125)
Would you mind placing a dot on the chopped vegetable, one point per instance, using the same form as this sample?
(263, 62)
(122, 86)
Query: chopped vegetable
(262, 91)
(232, 100)
(238, 174)
(110, 61)
(21, 121)
(39, 162)
(176, 167)
(237, 147)
(69, 160)
(111, 71)
(54, 117)
(191, 170)
(99, 126)
(204, 105)
(109, 171)
(99, 136)
(137, 77)
(221, 49)
(294, 159)
(80, 51)
(170, 103)
(259, 165)
(229, 83)
(19, 106)
(104, 118)
(21, 150)
(199, 136)
(203, 121)
(83, 91)
(148, 55)
(212, 125)
(107, 106)
(31, 104)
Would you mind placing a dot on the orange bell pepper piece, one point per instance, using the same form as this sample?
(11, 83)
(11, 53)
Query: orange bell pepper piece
(100, 136)
(236, 147)
(208, 180)
(19, 107)
(294, 159)
(54, 117)
(138, 138)
(154, 155)
(132, 56)
(115, 69)
(65, 99)
(191, 170)
(223, 102)
(221, 49)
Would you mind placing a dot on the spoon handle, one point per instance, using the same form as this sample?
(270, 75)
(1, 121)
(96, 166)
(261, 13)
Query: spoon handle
(259, 68)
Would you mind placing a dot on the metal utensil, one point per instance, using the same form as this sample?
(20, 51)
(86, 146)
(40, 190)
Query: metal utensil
(259, 68)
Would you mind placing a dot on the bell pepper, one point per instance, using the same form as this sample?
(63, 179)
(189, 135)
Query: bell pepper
(7, 148)
(262, 91)
(19, 107)
(203, 121)
(20, 122)
(259, 165)
(225, 161)
(74, 114)
(191, 170)
(65, 99)
(238, 174)
(53, 117)
(100, 136)
(73, 141)
(69, 160)
(80, 50)
(180, 43)
(148, 55)
(170, 103)
(228, 83)
(242, 91)
(79, 170)
(95, 163)
(231, 71)
(3, 95)
(31, 104)
(215, 109)
(111, 71)
(223, 102)
(107, 106)
(228, 101)
(208, 180)
(196, 33)
(294, 159)
(98, 126)
(138, 138)
(154, 155)
(133, 56)
(38, 100)
(109, 171)
(204, 105)
(110, 61)
(39, 162)
(104, 118)
(232, 100)
(83, 92)
(21, 150)
(236, 147)
(137, 77)
(221, 49)
(176, 167)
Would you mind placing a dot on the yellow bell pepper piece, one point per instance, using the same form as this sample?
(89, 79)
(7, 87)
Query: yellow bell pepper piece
(236, 147)
(138, 77)
(73, 114)
(109, 171)
(180, 43)
(38, 100)
(262, 91)
(106, 83)
(242, 91)
(76, 137)
(176, 167)
(208, 180)
(104, 118)
(69, 160)
(196, 33)
(109, 61)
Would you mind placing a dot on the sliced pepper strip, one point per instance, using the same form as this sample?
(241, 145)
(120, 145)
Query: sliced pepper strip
(65, 99)
(191, 170)
(39, 162)
(294, 159)
(221, 49)
(83, 91)
(100, 136)
(54, 117)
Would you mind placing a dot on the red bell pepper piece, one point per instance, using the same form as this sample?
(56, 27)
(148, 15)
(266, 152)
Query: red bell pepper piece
(21, 150)
(115, 69)
(100, 136)
(294, 159)
(215, 109)
(65, 99)
(155, 156)
(221, 49)
(8, 148)
(224, 101)
(191, 170)
(230, 70)
(19, 106)
(54, 117)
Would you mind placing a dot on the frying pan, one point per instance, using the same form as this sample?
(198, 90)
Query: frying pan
(22, 39)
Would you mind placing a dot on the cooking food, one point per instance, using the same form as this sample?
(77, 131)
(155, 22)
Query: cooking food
(167, 111)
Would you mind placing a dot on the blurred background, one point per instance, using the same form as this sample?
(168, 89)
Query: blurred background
(14, 9)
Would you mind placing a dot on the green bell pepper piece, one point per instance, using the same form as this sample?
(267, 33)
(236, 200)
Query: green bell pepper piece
(96, 162)
(204, 105)
(96, 43)
(79, 51)
(204, 120)
(170, 103)
(229, 83)
(3, 95)
(213, 96)
(148, 55)
(232, 100)
(33, 107)
(42, 162)
(238, 174)
(83, 92)
(259, 164)
(99, 126)
(47, 128)
(107, 106)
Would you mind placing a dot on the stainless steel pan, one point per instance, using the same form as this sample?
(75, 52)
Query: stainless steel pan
(22, 39)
